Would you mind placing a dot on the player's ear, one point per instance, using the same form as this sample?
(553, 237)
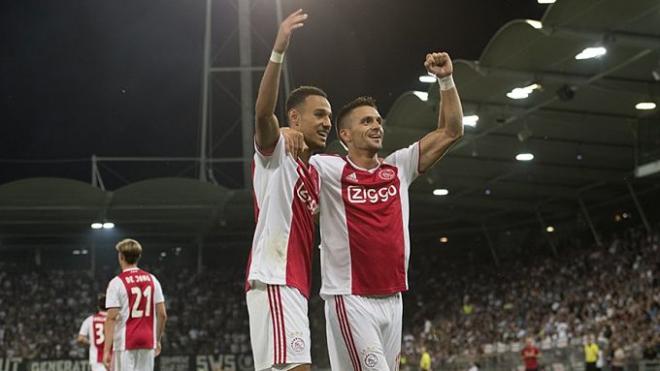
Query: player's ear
(345, 134)
(294, 118)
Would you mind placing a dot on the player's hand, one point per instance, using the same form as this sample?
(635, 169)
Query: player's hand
(294, 142)
(439, 64)
(107, 357)
(158, 349)
(293, 21)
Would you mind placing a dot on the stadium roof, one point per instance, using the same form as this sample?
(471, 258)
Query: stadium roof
(580, 123)
(38, 210)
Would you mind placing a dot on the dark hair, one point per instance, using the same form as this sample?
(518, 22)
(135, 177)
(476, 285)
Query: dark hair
(101, 301)
(349, 107)
(299, 94)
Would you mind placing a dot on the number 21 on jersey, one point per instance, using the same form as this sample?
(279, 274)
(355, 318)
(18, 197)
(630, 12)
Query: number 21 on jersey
(141, 302)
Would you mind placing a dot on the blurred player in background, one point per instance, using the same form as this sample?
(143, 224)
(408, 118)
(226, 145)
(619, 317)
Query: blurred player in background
(92, 333)
(136, 314)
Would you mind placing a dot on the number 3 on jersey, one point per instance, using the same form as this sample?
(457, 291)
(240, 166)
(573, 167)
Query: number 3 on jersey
(141, 308)
(99, 337)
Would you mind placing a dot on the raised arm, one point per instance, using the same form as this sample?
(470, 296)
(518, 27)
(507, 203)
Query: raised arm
(267, 128)
(450, 117)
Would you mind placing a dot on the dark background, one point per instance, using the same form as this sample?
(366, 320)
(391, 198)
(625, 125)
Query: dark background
(123, 78)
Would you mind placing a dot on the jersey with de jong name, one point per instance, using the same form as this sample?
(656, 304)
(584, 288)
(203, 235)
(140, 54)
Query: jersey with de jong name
(365, 243)
(285, 199)
(93, 328)
(135, 292)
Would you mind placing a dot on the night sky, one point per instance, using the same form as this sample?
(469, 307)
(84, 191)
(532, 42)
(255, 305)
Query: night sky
(123, 78)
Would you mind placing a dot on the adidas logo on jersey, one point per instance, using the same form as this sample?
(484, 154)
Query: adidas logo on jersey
(352, 177)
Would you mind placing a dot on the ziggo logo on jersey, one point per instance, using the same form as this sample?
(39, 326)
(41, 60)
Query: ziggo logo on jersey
(361, 195)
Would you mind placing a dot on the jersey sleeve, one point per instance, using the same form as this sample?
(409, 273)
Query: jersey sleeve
(318, 170)
(158, 294)
(318, 162)
(112, 295)
(407, 160)
(270, 159)
(84, 329)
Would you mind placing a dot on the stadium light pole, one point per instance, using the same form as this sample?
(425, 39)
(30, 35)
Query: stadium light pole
(205, 93)
(285, 69)
(245, 70)
(247, 102)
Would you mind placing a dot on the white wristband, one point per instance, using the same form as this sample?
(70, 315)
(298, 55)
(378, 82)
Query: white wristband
(446, 82)
(276, 57)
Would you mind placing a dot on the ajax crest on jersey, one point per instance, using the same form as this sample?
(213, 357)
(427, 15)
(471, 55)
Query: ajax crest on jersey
(370, 360)
(297, 345)
(386, 174)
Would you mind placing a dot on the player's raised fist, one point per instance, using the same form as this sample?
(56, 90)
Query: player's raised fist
(439, 64)
(293, 21)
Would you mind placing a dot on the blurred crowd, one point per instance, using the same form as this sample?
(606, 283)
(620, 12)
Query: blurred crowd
(41, 312)
(610, 291)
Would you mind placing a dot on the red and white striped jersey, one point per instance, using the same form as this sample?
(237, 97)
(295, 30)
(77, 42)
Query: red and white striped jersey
(135, 292)
(365, 244)
(285, 200)
(93, 329)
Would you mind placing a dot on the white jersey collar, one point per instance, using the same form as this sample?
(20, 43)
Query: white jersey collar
(361, 168)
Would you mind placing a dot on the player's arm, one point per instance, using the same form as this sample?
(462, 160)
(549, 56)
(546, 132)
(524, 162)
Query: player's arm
(82, 340)
(267, 128)
(109, 332)
(84, 329)
(161, 317)
(450, 118)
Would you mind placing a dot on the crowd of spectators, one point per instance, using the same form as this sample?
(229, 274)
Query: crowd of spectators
(454, 313)
(41, 311)
(609, 291)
